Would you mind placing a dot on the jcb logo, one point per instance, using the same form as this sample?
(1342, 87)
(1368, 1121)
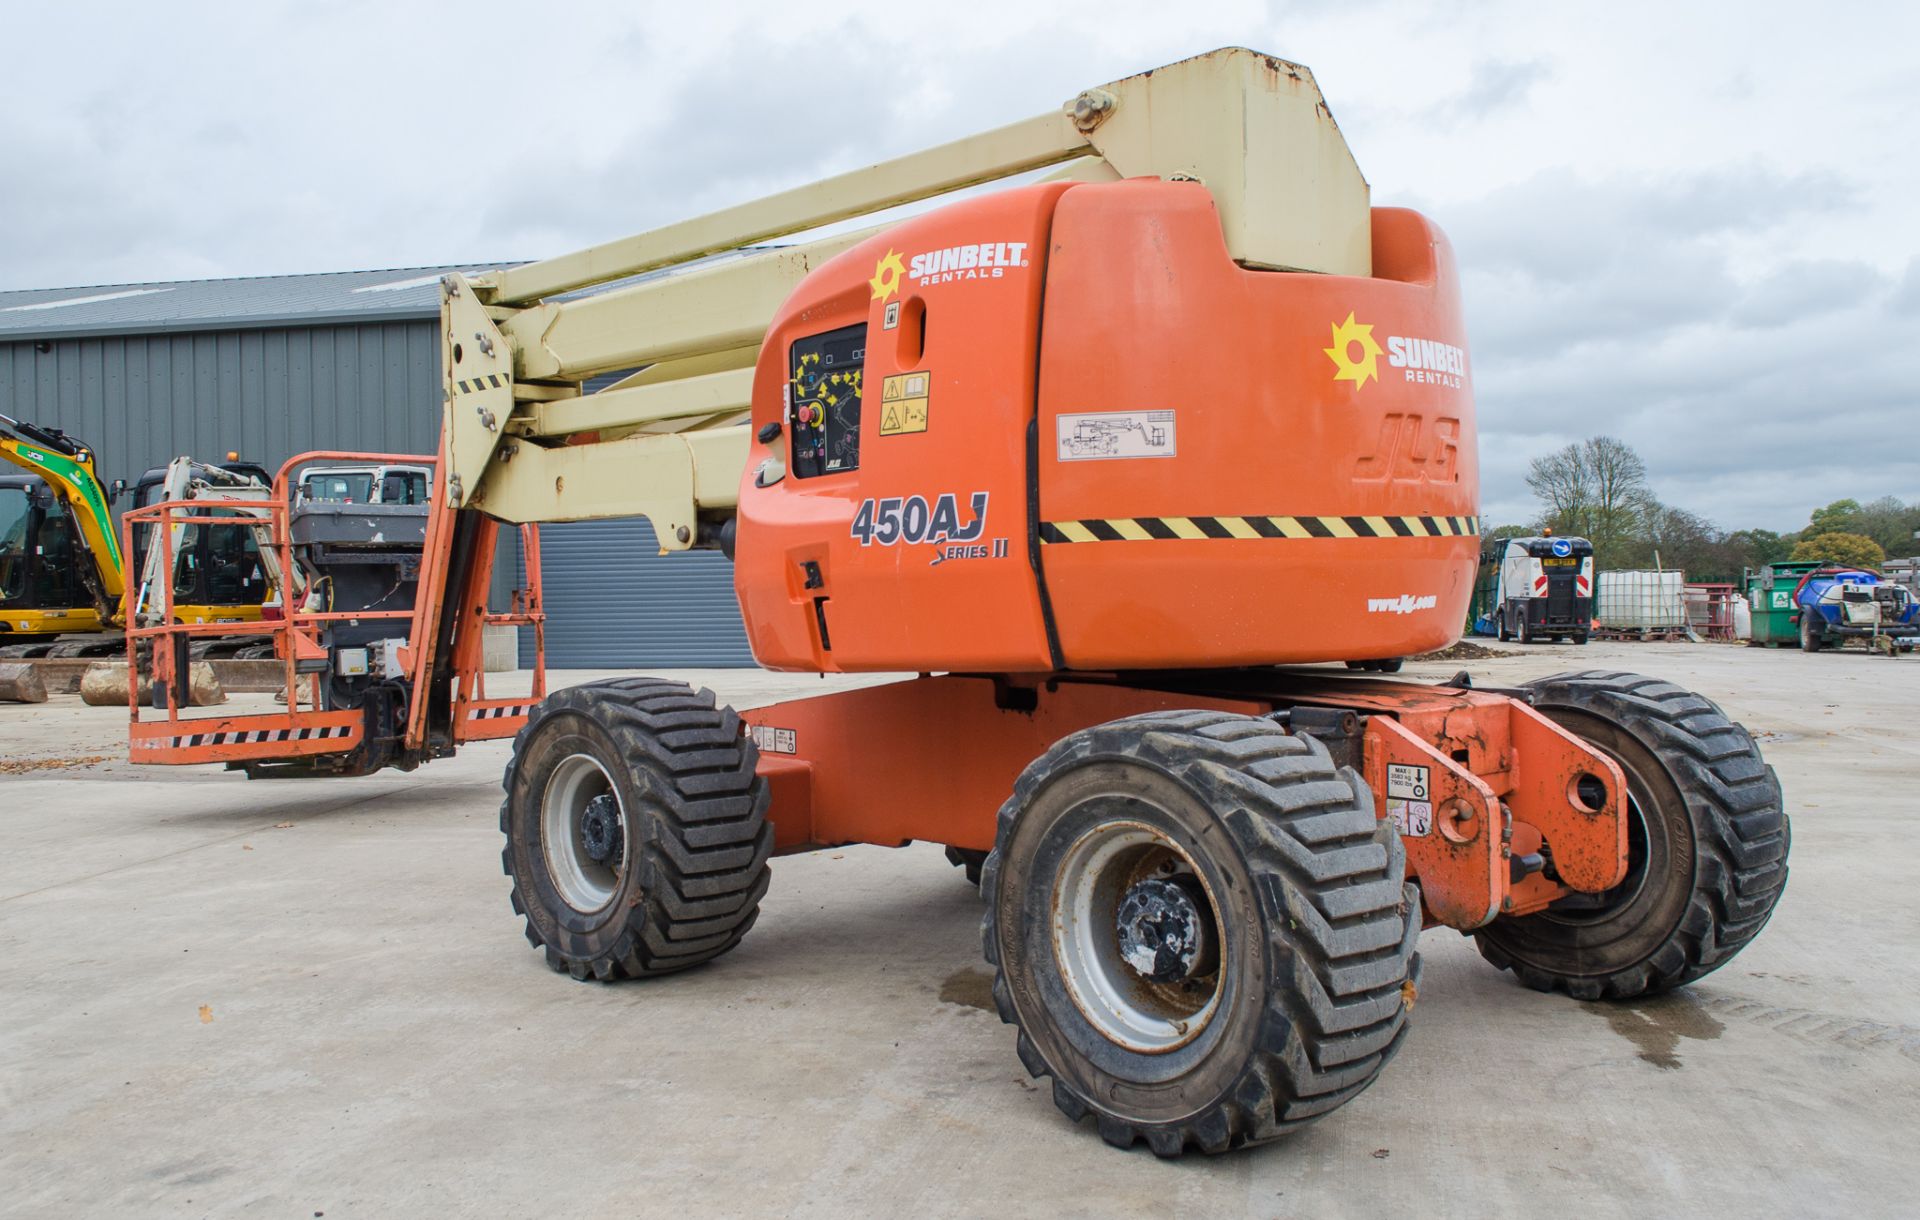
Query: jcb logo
(1408, 452)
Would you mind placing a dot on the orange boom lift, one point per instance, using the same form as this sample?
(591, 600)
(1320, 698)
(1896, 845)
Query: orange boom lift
(1071, 451)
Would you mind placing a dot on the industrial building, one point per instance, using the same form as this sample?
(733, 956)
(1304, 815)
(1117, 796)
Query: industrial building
(277, 365)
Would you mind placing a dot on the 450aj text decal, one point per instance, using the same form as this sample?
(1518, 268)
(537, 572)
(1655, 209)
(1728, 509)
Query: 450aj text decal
(915, 519)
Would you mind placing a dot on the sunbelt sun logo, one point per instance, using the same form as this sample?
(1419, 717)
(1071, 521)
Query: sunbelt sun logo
(1406, 603)
(1356, 357)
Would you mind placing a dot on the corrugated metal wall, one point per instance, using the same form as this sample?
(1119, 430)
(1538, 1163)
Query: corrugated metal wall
(614, 602)
(143, 400)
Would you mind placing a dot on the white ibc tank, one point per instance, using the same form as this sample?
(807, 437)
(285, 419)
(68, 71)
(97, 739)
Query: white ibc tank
(1640, 601)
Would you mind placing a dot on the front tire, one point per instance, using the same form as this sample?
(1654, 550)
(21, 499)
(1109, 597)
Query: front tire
(1707, 849)
(1200, 930)
(637, 833)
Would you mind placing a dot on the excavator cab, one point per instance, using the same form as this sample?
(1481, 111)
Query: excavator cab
(69, 559)
(39, 590)
(217, 570)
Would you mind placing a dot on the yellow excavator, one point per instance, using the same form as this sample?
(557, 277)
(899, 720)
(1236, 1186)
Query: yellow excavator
(62, 573)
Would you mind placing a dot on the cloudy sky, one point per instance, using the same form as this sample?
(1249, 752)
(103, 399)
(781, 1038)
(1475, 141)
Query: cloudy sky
(1690, 225)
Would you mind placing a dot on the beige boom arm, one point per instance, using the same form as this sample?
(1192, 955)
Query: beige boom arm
(666, 443)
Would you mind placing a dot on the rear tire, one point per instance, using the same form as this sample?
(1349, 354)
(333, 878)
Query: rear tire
(1505, 635)
(637, 833)
(1707, 853)
(1812, 639)
(1526, 630)
(1299, 930)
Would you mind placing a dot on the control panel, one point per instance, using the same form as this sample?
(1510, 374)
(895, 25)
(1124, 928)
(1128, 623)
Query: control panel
(823, 401)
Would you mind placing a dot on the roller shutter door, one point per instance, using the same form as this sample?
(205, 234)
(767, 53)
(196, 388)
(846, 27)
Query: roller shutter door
(614, 602)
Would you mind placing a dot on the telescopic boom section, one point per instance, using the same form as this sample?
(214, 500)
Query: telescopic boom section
(524, 442)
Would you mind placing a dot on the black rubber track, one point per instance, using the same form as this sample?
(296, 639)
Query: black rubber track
(1740, 832)
(701, 837)
(1340, 920)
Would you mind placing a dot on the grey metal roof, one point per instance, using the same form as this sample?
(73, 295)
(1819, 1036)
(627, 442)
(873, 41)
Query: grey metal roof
(326, 298)
(240, 304)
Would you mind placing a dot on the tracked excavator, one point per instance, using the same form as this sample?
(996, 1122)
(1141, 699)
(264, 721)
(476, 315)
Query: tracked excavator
(63, 577)
(1067, 450)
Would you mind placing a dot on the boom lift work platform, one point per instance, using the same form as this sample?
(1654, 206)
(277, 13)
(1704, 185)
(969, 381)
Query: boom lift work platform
(1068, 450)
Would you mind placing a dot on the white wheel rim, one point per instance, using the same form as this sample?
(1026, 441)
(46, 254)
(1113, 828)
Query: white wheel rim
(1115, 999)
(585, 884)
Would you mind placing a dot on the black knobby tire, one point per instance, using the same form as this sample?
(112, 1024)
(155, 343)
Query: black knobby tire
(685, 883)
(969, 861)
(1812, 638)
(1708, 849)
(1316, 968)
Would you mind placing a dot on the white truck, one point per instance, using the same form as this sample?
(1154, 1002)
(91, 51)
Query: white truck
(1543, 589)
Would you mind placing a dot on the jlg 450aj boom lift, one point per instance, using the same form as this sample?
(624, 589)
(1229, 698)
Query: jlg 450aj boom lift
(1071, 451)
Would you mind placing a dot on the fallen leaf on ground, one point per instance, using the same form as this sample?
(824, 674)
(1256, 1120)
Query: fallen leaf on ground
(20, 766)
(206, 1014)
(283, 825)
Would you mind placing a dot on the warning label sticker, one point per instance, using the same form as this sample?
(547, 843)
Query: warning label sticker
(1409, 783)
(1114, 434)
(904, 398)
(1411, 818)
(1410, 799)
(772, 740)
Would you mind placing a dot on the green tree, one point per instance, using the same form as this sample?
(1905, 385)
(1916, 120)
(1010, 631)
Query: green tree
(1839, 517)
(1890, 523)
(1841, 548)
(1758, 548)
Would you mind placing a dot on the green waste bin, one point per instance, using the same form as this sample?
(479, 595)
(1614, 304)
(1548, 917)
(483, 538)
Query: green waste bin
(1776, 620)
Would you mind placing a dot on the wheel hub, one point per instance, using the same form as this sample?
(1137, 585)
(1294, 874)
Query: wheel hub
(600, 835)
(583, 832)
(1162, 931)
(1137, 938)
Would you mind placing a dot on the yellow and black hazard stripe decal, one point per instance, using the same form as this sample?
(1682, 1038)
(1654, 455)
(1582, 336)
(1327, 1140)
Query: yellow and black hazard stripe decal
(1148, 529)
(492, 381)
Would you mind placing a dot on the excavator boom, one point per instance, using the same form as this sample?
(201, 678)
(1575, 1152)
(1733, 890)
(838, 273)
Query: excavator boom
(67, 466)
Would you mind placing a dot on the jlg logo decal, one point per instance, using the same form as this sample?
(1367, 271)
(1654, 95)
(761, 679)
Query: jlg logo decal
(1409, 451)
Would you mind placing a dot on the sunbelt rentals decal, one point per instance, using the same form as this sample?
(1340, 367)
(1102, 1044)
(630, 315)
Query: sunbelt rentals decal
(1356, 357)
(986, 260)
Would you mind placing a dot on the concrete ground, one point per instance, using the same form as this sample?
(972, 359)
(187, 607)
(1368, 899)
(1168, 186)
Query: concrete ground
(221, 997)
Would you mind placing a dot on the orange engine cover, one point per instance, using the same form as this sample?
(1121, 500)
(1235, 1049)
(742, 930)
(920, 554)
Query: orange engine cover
(1058, 427)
